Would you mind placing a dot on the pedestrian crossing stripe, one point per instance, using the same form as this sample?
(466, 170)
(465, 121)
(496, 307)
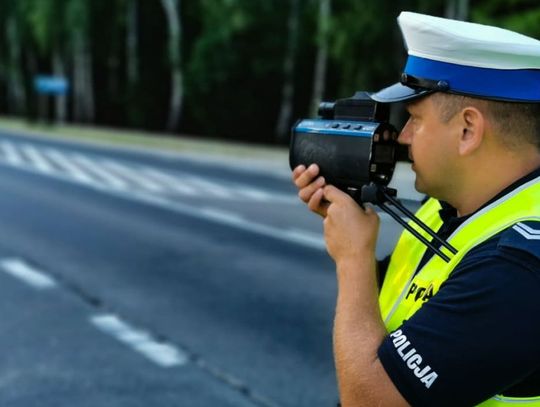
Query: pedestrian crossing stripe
(107, 173)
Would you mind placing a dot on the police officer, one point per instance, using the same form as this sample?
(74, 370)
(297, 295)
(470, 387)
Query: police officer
(466, 332)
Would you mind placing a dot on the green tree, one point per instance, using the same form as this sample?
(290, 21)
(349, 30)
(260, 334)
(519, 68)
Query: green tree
(78, 28)
(45, 18)
(234, 67)
(289, 63)
(321, 59)
(365, 45)
(522, 16)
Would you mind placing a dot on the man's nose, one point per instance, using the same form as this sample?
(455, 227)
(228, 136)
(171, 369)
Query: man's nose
(405, 134)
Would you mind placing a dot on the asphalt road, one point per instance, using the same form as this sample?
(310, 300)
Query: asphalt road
(132, 278)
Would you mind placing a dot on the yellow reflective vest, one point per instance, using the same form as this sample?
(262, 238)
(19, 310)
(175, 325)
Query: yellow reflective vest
(404, 292)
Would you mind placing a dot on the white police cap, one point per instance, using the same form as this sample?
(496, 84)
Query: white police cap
(465, 58)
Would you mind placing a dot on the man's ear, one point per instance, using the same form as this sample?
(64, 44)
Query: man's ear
(473, 125)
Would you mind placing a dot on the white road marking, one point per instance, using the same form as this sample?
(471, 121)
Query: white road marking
(70, 168)
(133, 175)
(172, 183)
(220, 215)
(37, 159)
(31, 276)
(313, 240)
(211, 187)
(190, 185)
(265, 196)
(121, 189)
(255, 194)
(96, 169)
(163, 354)
(10, 153)
(307, 238)
(91, 171)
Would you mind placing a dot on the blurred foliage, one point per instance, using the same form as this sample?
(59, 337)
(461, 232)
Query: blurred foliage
(235, 66)
(522, 16)
(232, 55)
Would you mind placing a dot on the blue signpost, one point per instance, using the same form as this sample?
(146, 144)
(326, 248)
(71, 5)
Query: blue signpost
(46, 86)
(51, 85)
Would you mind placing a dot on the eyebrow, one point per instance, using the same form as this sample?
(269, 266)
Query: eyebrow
(412, 103)
(409, 106)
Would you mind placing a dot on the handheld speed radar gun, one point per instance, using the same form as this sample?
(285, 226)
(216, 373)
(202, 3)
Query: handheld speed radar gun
(356, 149)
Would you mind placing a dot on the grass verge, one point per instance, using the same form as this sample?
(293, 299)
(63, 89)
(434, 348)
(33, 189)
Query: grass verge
(142, 139)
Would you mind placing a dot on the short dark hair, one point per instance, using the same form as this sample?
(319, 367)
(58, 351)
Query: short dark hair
(515, 123)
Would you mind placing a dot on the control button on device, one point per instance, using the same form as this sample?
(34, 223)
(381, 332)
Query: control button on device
(335, 125)
(346, 126)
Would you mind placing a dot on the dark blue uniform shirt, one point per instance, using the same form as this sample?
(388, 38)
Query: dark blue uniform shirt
(481, 332)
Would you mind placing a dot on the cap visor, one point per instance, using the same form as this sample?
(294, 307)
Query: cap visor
(399, 93)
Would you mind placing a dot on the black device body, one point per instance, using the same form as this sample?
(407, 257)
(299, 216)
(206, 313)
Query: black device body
(356, 150)
(353, 142)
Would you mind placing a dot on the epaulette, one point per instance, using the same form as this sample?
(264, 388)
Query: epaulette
(524, 236)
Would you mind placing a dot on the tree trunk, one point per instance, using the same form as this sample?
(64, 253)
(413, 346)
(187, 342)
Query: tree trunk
(59, 100)
(319, 77)
(132, 40)
(83, 95)
(457, 9)
(16, 93)
(172, 12)
(88, 84)
(78, 78)
(287, 92)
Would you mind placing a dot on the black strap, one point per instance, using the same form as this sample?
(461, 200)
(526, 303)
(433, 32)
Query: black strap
(423, 83)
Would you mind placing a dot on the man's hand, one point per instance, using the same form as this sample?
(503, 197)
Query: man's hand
(349, 230)
(310, 187)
